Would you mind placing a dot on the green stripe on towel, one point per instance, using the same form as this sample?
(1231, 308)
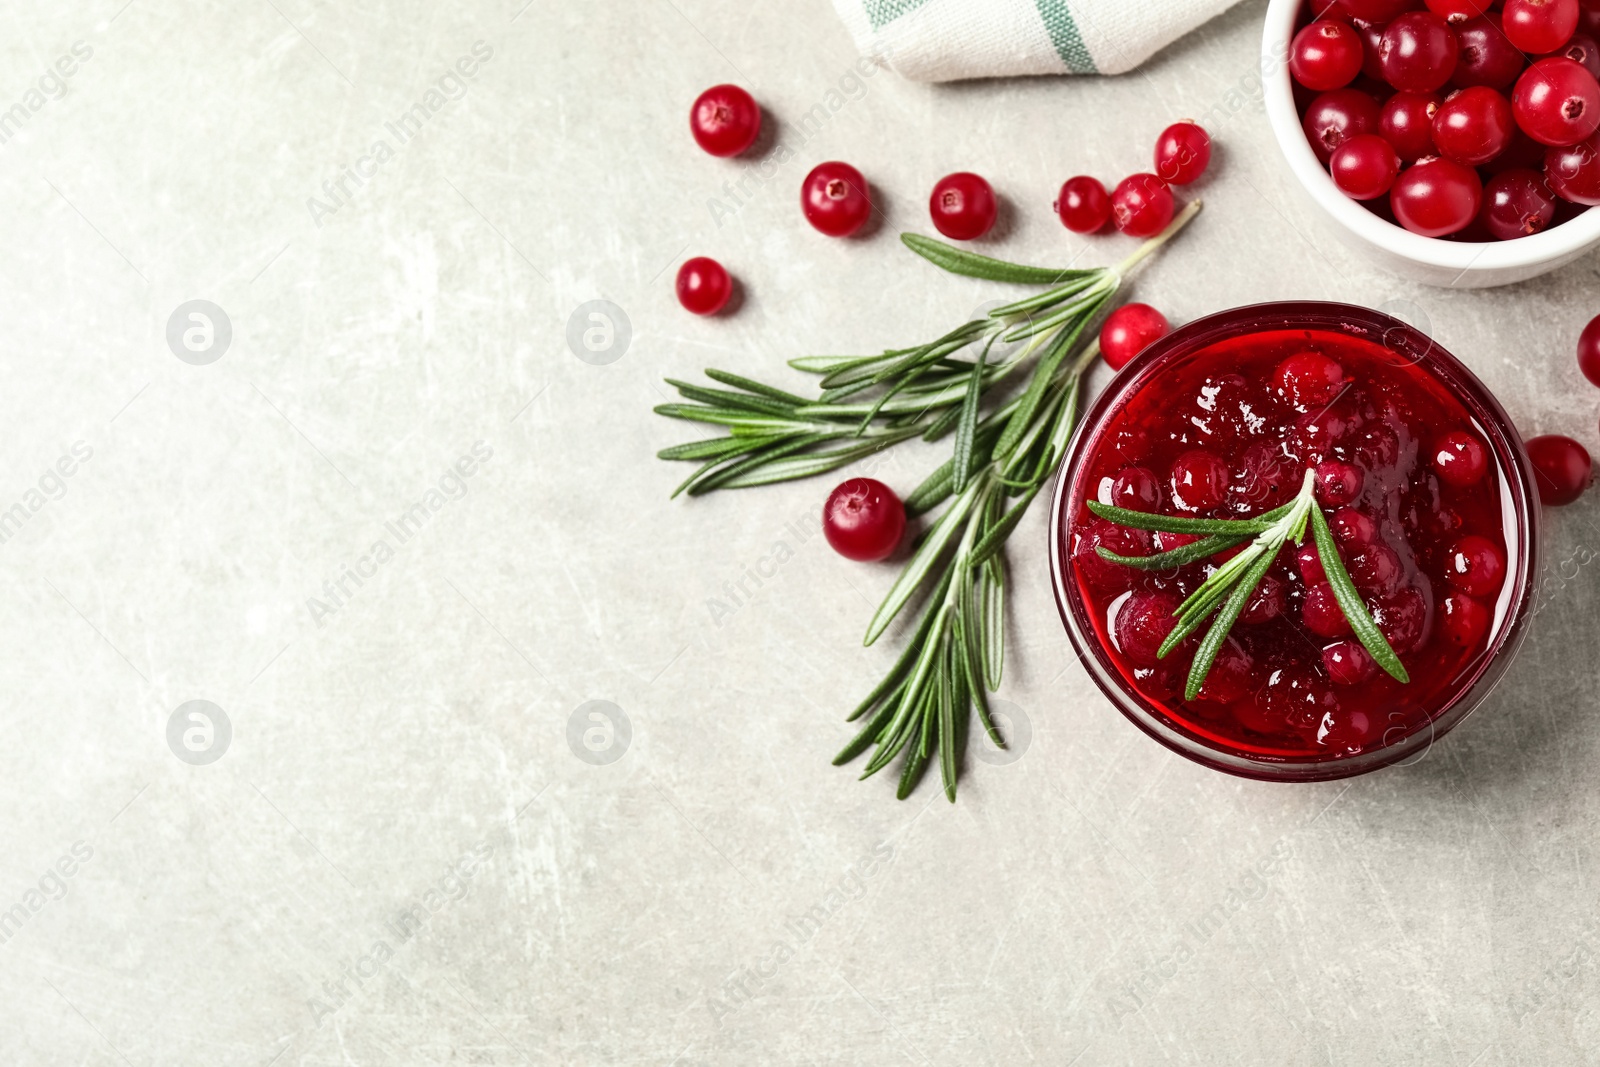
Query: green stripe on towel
(882, 12)
(1063, 34)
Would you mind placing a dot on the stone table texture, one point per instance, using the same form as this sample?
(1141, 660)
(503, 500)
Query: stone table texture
(367, 507)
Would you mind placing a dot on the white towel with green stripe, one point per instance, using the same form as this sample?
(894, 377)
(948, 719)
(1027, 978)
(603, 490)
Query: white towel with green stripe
(945, 40)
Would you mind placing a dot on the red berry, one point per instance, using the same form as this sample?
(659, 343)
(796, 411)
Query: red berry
(1371, 34)
(1325, 55)
(1266, 603)
(1402, 619)
(1309, 379)
(1347, 663)
(1337, 115)
(1098, 572)
(1142, 205)
(1486, 56)
(1322, 614)
(1589, 350)
(1338, 483)
(1352, 528)
(1435, 197)
(1475, 565)
(1406, 122)
(1463, 620)
(1143, 623)
(1584, 51)
(863, 520)
(1199, 480)
(1574, 171)
(1460, 459)
(963, 206)
(1347, 730)
(1229, 678)
(703, 286)
(1364, 167)
(725, 120)
(1473, 125)
(1561, 468)
(1137, 489)
(1309, 562)
(1376, 570)
(1556, 101)
(835, 199)
(1128, 331)
(1517, 203)
(1418, 52)
(1083, 204)
(1540, 25)
(1297, 699)
(1454, 11)
(1183, 151)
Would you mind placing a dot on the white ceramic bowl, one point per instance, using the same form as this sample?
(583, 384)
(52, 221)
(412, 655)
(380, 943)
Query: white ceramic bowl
(1454, 264)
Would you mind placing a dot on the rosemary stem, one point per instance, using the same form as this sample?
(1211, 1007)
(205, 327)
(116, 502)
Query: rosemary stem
(1190, 210)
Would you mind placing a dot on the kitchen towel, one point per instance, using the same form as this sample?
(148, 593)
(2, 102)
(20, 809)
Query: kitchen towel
(945, 40)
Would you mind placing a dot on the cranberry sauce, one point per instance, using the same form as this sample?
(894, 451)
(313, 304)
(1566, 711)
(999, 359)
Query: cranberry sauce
(1412, 493)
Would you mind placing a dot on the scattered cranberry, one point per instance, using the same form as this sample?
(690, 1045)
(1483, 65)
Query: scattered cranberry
(1338, 483)
(1128, 331)
(1322, 614)
(1556, 101)
(1325, 55)
(1475, 565)
(1473, 125)
(834, 197)
(1540, 25)
(1517, 203)
(1142, 205)
(1143, 623)
(1183, 151)
(1337, 115)
(1418, 52)
(1309, 379)
(1406, 122)
(863, 520)
(725, 120)
(703, 286)
(1199, 480)
(1463, 619)
(1574, 171)
(1083, 204)
(1487, 57)
(963, 206)
(1561, 468)
(1589, 350)
(1460, 459)
(1137, 489)
(1364, 167)
(1435, 197)
(1347, 663)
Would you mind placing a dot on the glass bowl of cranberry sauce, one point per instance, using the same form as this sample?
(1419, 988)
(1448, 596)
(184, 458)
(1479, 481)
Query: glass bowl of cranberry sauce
(1427, 489)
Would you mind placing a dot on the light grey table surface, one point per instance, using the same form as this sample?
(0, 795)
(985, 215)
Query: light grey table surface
(399, 857)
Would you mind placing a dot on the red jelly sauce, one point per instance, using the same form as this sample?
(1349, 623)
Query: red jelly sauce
(1413, 495)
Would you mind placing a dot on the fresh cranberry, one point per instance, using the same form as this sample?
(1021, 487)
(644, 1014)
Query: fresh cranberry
(1376, 570)
(1183, 151)
(1561, 468)
(1540, 25)
(1574, 171)
(1199, 480)
(863, 520)
(963, 206)
(1266, 603)
(1523, 153)
(1475, 565)
(835, 199)
(1325, 55)
(1309, 562)
(1583, 50)
(1298, 699)
(1137, 489)
(1473, 125)
(1083, 204)
(1338, 483)
(1347, 730)
(1142, 205)
(1463, 620)
(1460, 459)
(1128, 331)
(1556, 101)
(1101, 574)
(1351, 527)
(1517, 203)
(1406, 122)
(1487, 57)
(1309, 379)
(1364, 167)
(1229, 679)
(1589, 350)
(1418, 52)
(703, 286)
(1371, 34)
(1435, 197)
(725, 120)
(1454, 11)
(1337, 115)
(1402, 619)
(1143, 623)
(1347, 663)
(1322, 614)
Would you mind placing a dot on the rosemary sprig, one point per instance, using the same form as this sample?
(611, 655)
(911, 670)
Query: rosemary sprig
(1003, 453)
(1230, 586)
